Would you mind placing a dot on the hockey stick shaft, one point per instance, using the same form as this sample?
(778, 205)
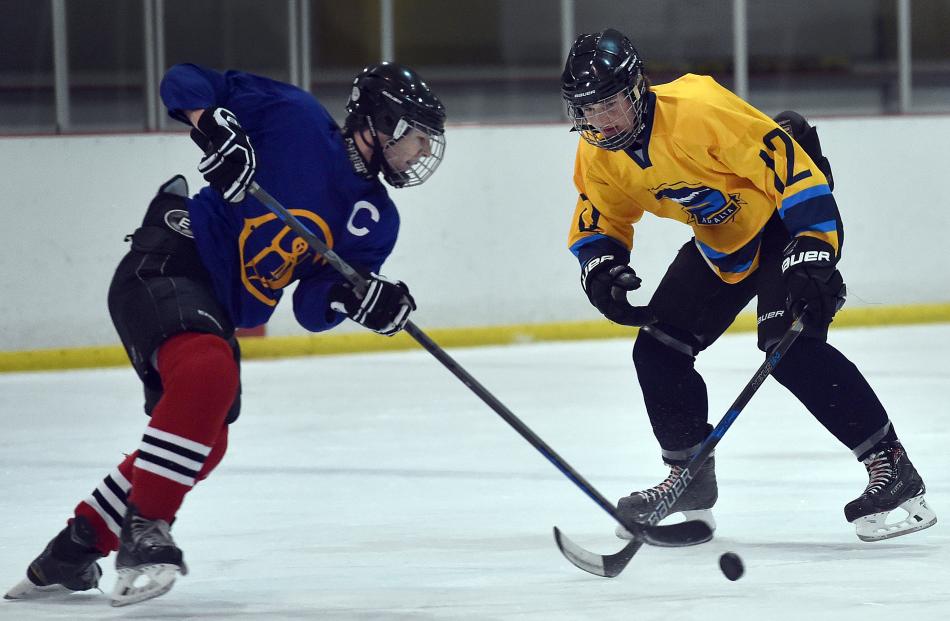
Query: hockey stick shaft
(352, 276)
(359, 283)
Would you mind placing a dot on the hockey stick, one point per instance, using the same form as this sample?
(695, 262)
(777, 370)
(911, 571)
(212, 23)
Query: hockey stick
(611, 565)
(675, 534)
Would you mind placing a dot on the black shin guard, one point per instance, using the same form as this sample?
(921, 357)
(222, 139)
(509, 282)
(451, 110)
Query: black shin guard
(673, 391)
(836, 394)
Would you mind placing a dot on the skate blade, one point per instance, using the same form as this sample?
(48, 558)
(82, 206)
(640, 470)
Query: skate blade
(137, 584)
(874, 527)
(25, 589)
(703, 515)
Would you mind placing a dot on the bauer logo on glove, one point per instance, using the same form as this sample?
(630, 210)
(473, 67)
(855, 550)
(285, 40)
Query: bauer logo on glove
(807, 256)
(816, 290)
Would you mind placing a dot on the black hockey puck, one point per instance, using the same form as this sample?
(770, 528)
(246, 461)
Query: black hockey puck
(731, 566)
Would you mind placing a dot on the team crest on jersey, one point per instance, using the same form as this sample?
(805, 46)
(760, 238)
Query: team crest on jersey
(277, 252)
(703, 204)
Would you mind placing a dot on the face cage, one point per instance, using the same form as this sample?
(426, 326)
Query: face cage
(624, 108)
(421, 169)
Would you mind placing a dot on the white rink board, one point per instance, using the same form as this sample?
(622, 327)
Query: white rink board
(482, 243)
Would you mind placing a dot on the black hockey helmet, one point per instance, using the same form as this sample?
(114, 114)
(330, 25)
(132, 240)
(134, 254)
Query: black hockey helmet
(604, 88)
(392, 99)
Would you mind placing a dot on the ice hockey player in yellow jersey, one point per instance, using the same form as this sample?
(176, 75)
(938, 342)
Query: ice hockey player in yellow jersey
(757, 193)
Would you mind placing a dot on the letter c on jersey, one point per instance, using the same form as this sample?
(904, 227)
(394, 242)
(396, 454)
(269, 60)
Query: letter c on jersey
(373, 215)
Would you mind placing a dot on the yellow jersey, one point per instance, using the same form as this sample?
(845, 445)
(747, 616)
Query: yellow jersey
(712, 161)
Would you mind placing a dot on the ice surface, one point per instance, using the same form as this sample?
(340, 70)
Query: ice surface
(379, 487)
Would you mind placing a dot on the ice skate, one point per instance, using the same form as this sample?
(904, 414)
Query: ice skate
(148, 561)
(695, 503)
(67, 564)
(893, 483)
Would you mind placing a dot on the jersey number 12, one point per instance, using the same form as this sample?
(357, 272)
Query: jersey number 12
(790, 177)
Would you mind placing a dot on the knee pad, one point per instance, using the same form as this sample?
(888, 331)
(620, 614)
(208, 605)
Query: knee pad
(153, 394)
(799, 359)
(673, 392)
(201, 366)
(655, 352)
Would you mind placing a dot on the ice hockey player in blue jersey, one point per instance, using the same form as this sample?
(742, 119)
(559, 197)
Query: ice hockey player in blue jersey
(201, 266)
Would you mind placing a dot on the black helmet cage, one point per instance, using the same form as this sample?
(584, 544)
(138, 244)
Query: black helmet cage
(392, 99)
(604, 89)
(401, 172)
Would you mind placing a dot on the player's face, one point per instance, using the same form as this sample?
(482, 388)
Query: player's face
(611, 116)
(406, 152)
(413, 157)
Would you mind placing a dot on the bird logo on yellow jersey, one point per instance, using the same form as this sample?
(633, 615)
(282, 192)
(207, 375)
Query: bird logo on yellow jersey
(703, 204)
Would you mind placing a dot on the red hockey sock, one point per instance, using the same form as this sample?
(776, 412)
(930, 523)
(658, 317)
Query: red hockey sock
(105, 508)
(199, 381)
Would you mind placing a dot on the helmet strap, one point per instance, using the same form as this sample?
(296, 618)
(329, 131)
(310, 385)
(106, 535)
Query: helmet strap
(379, 160)
(362, 167)
(378, 157)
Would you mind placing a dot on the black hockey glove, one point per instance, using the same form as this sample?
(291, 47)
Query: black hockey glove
(229, 162)
(815, 287)
(384, 309)
(606, 280)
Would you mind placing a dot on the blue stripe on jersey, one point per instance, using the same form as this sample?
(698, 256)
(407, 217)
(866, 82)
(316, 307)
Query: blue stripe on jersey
(811, 214)
(576, 248)
(821, 227)
(734, 262)
(711, 254)
(800, 197)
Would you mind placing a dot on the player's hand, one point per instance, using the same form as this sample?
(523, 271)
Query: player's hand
(816, 290)
(384, 309)
(606, 281)
(229, 163)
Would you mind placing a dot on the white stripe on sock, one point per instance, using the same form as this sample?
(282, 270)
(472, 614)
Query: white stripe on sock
(172, 456)
(120, 480)
(164, 472)
(110, 523)
(114, 502)
(185, 443)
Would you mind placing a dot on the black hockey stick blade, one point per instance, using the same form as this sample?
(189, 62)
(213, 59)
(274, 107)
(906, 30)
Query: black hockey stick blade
(605, 566)
(688, 533)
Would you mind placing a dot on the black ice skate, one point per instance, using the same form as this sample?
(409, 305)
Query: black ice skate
(146, 551)
(67, 564)
(695, 503)
(893, 482)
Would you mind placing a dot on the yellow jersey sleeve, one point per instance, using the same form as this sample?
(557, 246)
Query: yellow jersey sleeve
(753, 146)
(603, 210)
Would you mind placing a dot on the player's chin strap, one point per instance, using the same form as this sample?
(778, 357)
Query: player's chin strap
(685, 533)
(379, 162)
(366, 170)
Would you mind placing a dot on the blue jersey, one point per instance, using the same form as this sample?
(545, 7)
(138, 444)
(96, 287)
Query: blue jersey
(303, 162)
